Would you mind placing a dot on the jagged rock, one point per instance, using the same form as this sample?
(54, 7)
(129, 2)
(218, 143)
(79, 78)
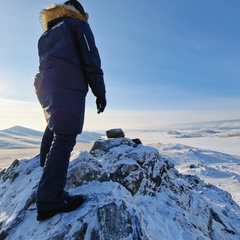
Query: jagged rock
(10, 173)
(132, 193)
(132, 167)
(2, 172)
(115, 133)
(101, 147)
(192, 166)
(111, 217)
(137, 141)
(85, 169)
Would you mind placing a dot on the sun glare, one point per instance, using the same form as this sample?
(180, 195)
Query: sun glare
(27, 114)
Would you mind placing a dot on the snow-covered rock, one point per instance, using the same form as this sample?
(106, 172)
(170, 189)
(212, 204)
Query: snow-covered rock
(132, 193)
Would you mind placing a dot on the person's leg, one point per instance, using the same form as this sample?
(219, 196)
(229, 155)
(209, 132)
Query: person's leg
(51, 194)
(45, 145)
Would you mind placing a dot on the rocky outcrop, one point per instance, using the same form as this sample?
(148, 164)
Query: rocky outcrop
(132, 193)
(115, 133)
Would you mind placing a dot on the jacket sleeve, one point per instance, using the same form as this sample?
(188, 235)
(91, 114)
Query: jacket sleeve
(91, 60)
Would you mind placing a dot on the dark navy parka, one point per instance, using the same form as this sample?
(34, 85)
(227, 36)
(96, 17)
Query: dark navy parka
(69, 63)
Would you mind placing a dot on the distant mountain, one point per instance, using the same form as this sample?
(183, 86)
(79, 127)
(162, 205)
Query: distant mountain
(209, 125)
(22, 131)
(19, 137)
(220, 125)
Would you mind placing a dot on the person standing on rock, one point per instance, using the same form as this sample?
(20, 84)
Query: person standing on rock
(69, 63)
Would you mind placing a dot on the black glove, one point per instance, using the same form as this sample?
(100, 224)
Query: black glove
(101, 103)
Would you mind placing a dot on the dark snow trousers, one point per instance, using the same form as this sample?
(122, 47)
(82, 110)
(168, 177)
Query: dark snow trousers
(56, 149)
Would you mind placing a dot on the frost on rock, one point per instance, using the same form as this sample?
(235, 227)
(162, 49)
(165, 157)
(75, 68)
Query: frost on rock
(10, 174)
(132, 193)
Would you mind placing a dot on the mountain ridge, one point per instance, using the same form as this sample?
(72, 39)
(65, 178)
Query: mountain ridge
(132, 192)
(204, 125)
(18, 137)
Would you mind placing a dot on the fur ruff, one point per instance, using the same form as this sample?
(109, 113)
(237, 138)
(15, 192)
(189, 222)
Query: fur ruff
(56, 11)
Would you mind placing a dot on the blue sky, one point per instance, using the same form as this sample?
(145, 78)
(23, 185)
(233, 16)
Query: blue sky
(165, 61)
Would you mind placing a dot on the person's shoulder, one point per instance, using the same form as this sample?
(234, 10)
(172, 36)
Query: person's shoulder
(75, 21)
(78, 25)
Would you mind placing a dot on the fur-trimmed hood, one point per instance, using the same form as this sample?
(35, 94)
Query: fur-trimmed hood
(57, 11)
